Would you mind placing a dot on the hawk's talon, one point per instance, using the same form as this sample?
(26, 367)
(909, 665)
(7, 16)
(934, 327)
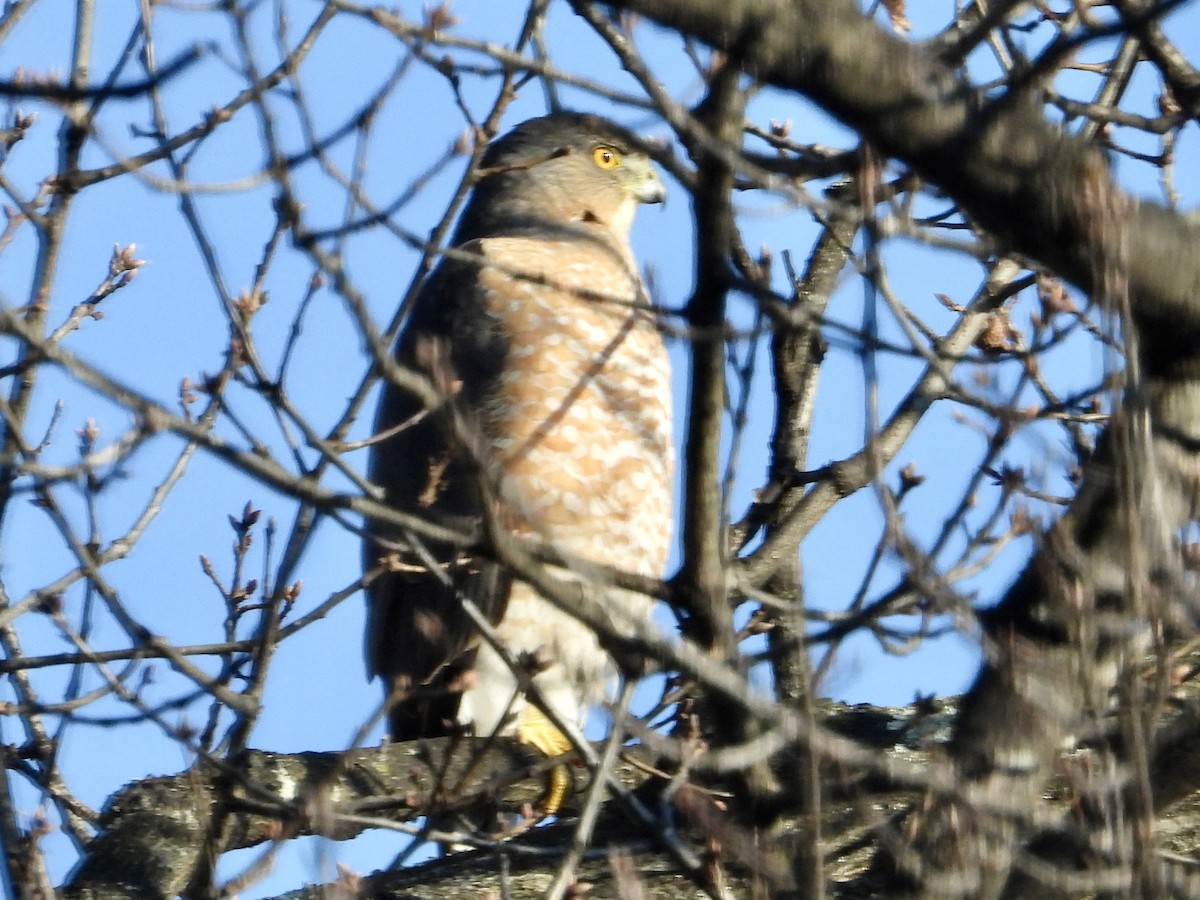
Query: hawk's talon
(534, 729)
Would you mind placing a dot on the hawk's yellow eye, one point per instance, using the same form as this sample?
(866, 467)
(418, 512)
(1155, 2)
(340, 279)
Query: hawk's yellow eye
(606, 157)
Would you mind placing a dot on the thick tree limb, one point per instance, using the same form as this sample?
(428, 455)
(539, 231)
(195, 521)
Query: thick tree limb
(154, 832)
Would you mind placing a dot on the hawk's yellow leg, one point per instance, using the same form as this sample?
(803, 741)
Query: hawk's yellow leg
(535, 729)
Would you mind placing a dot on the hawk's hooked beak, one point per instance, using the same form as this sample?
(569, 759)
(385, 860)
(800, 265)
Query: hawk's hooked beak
(649, 187)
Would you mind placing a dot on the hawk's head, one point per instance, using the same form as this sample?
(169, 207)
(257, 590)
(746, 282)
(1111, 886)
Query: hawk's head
(561, 169)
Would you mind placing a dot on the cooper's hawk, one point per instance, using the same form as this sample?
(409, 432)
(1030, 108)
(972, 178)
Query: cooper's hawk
(538, 331)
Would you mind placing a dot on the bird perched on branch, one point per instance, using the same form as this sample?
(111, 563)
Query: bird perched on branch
(537, 332)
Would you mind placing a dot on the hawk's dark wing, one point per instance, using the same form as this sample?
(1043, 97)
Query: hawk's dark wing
(419, 640)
